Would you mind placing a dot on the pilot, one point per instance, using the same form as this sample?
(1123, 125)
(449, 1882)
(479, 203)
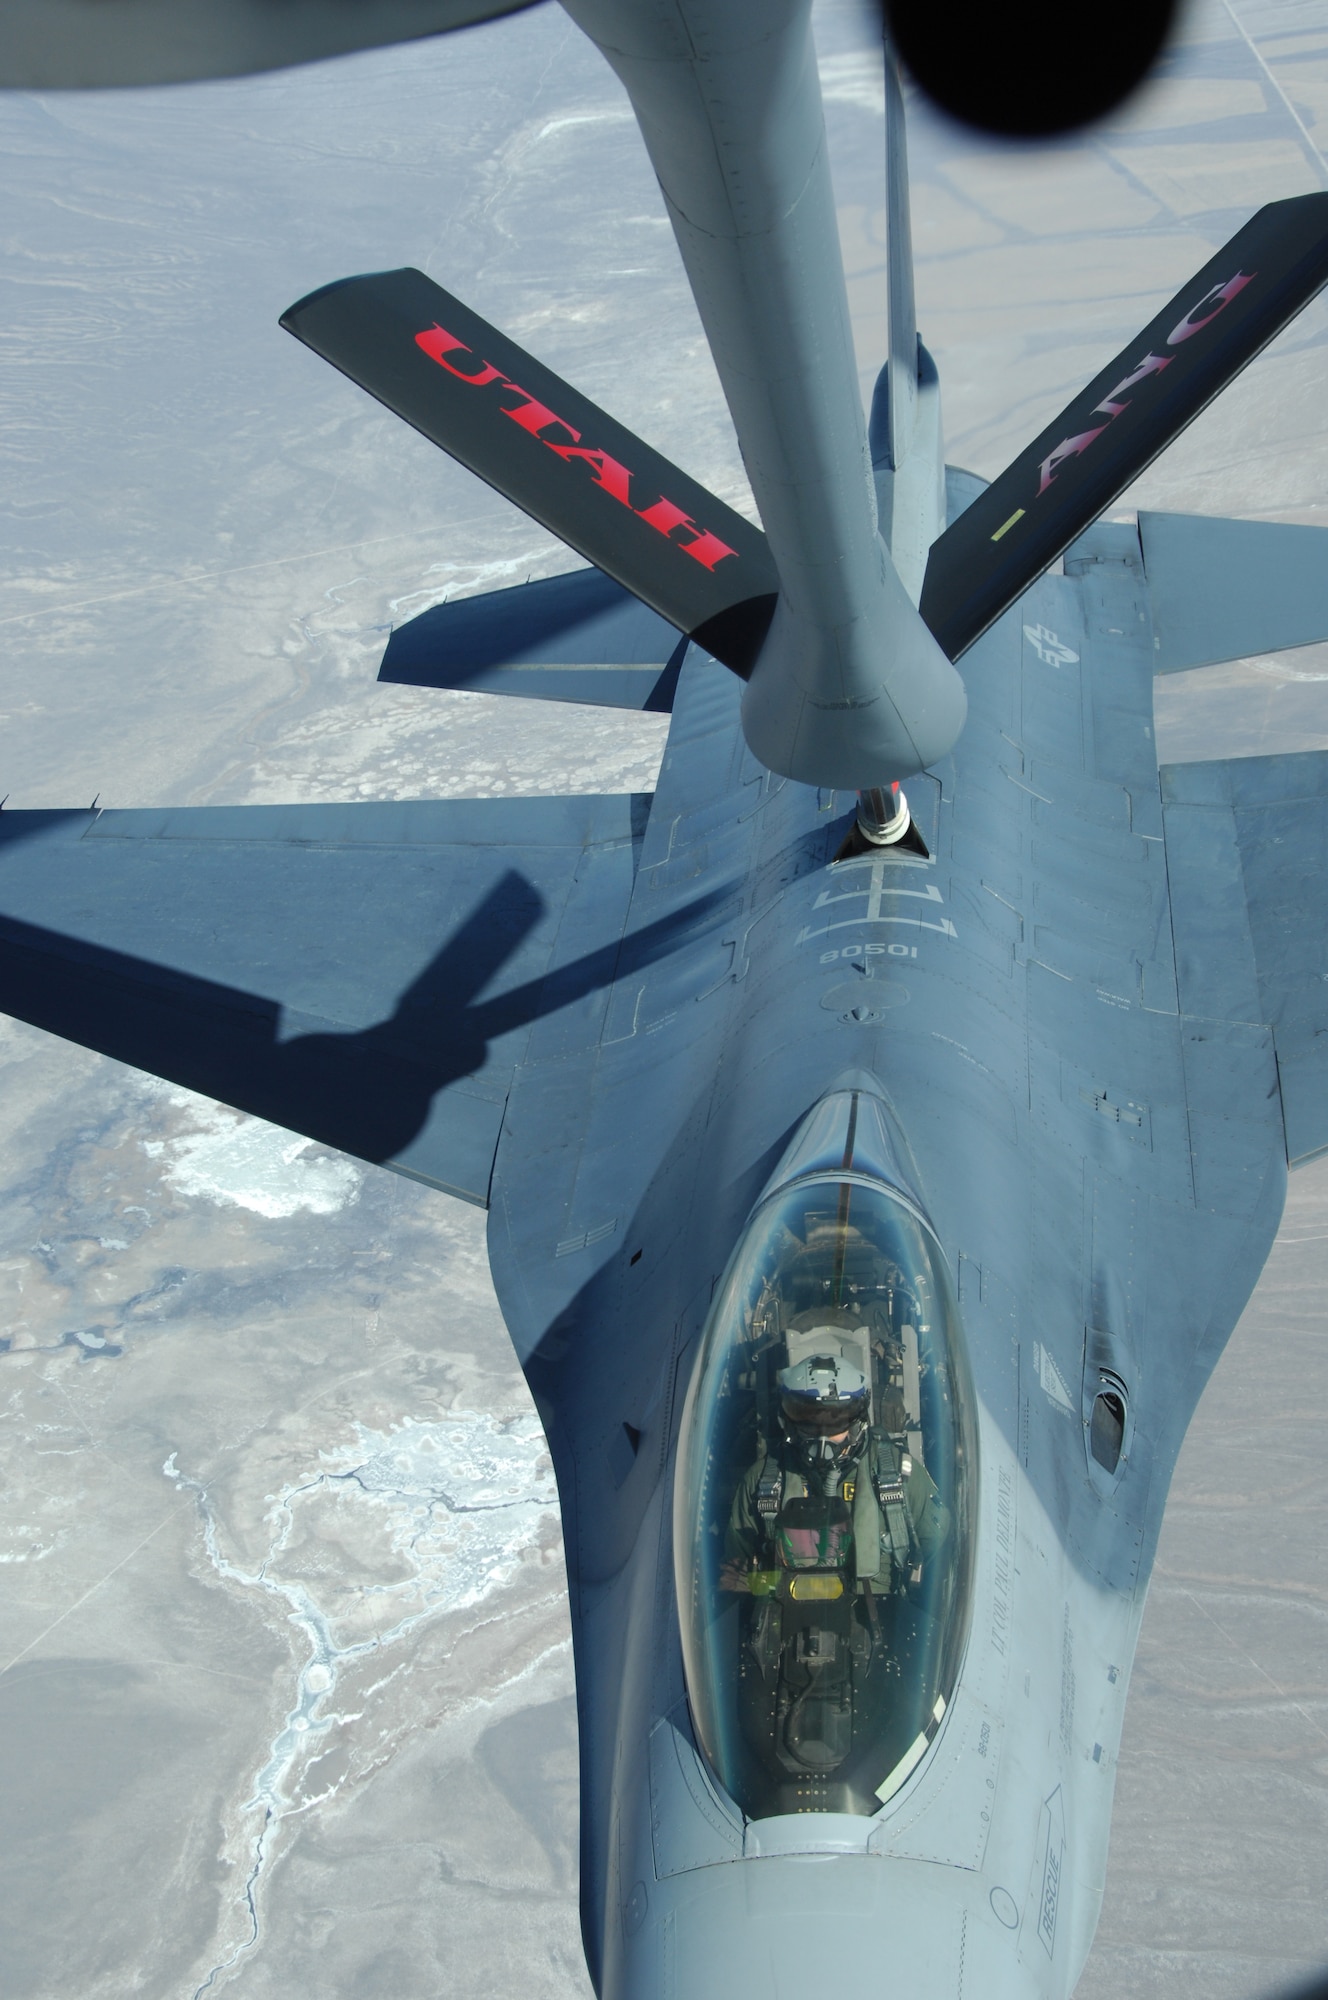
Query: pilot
(829, 1488)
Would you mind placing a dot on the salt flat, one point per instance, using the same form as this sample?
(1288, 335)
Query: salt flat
(284, 1637)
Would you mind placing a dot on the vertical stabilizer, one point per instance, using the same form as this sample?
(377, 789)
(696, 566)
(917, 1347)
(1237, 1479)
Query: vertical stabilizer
(902, 400)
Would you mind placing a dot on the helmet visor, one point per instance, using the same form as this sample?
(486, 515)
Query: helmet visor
(823, 1416)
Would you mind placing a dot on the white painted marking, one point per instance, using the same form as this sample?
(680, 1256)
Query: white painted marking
(880, 881)
(1053, 1382)
(1050, 647)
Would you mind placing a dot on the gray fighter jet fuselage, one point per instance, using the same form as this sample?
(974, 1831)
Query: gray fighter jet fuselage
(1096, 1136)
(990, 1122)
(1091, 1128)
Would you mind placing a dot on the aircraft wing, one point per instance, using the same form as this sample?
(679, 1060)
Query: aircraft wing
(1247, 857)
(363, 974)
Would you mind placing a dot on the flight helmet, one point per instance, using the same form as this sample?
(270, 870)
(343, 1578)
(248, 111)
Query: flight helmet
(821, 1397)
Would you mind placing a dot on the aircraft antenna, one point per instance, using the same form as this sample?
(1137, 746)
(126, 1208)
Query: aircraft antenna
(903, 324)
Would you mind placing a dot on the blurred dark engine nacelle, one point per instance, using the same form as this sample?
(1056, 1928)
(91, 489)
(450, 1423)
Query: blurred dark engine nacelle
(1028, 69)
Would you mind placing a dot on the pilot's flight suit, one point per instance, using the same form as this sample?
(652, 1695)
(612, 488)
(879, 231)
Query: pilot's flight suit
(897, 1517)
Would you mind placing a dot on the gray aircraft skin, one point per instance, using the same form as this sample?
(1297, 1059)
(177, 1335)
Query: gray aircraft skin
(1089, 1089)
(1072, 1031)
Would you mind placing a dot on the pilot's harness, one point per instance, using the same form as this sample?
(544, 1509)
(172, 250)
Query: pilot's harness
(882, 1525)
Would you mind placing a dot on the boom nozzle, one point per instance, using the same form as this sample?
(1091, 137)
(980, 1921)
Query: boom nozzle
(883, 815)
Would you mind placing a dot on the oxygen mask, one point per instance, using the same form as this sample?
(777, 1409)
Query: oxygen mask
(823, 1400)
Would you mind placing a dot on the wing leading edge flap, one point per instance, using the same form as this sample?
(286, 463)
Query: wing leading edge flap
(1247, 857)
(362, 974)
(551, 451)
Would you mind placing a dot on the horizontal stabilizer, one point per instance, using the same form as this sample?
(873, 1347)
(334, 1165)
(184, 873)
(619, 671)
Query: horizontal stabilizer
(1247, 860)
(552, 452)
(1222, 590)
(363, 974)
(580, 638)
(1124, 418)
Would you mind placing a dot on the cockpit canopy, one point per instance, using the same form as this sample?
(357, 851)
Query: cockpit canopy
(823, 1511)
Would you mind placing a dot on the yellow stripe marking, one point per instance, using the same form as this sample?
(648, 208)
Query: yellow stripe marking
(1017, 515)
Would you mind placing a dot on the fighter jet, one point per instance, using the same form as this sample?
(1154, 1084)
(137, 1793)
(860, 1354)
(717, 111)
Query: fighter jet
(881, 1124)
